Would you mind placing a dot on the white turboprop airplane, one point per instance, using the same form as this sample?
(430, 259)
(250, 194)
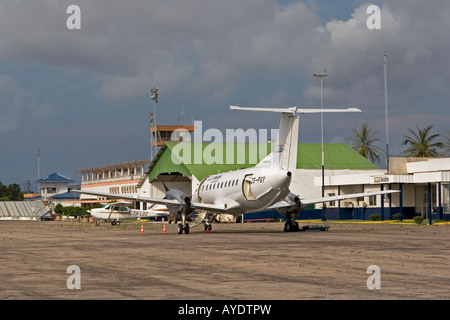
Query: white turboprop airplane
(263, 187)
(117, 211)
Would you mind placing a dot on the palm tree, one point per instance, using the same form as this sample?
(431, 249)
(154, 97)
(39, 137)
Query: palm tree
(446, 143)
(364, 143)
(422, 144)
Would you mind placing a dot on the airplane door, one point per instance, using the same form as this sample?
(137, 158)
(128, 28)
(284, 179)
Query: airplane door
(247, 188)
(199, 190)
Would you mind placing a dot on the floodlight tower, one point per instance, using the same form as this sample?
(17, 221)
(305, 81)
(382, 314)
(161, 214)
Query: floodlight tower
(386, 113)
(322, 76)
(154, 96)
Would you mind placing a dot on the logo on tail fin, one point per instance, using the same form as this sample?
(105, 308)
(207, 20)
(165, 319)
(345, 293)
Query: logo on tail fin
(279, 148)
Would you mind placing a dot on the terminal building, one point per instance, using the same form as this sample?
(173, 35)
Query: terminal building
(52, 185)
(120, 178)
(127, 177)
(424, 184)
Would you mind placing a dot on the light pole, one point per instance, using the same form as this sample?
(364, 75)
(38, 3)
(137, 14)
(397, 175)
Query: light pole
(154, 96)
(386, 116)
(321, 76)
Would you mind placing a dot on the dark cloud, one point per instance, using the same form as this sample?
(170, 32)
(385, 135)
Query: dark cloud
(206, 55)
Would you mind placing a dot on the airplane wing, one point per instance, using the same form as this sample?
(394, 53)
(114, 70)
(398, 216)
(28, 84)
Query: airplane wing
(283, 203)
(194, 205)
(123, 202)
(131, 198)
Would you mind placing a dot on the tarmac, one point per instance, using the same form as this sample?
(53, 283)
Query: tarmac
(53, 260)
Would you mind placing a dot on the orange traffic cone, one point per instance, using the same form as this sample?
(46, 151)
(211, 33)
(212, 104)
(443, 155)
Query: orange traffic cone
(142, 229)
(164, 229)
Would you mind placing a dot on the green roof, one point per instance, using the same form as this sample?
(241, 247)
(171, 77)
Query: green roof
(336, 156)
(214, 158)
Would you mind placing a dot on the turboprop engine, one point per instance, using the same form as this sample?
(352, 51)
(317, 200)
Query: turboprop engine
(292, 211)
(182, 198)
(295, 202)
(182, 210)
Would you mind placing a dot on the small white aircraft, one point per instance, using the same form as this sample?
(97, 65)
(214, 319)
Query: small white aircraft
(263, 187)
(117, 211)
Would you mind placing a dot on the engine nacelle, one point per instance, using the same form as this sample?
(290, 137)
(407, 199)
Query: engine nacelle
(296, 206)
(184, 202)
(180, 196)
(293, 200)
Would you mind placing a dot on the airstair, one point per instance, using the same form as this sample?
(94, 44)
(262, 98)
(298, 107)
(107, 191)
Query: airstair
(198, 218)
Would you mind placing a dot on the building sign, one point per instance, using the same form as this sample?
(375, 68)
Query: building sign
(380, 179)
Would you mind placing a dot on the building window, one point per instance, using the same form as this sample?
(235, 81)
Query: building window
(372, 200)
(51, 190)
(446, 198)
(332, 203)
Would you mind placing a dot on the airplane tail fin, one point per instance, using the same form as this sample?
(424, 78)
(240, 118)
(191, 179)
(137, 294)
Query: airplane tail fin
(284, 155)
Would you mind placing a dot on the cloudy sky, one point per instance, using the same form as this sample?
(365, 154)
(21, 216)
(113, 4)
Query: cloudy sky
(82, 96)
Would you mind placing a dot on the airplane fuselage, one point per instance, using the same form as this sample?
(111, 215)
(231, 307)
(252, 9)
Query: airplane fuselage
(244, 191)
(111, 212)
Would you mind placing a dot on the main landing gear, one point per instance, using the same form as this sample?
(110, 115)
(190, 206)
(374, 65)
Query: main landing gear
(113, 223)
(291, 226)
(183, 227)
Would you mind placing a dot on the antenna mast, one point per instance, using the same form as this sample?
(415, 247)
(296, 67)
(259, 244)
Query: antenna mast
(386, 114)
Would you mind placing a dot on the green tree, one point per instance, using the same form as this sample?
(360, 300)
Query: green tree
(14, 192)
(364, 142)
(422, 143)
(446, 145)
(11, 192)
(59, 208)
(3, 195)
